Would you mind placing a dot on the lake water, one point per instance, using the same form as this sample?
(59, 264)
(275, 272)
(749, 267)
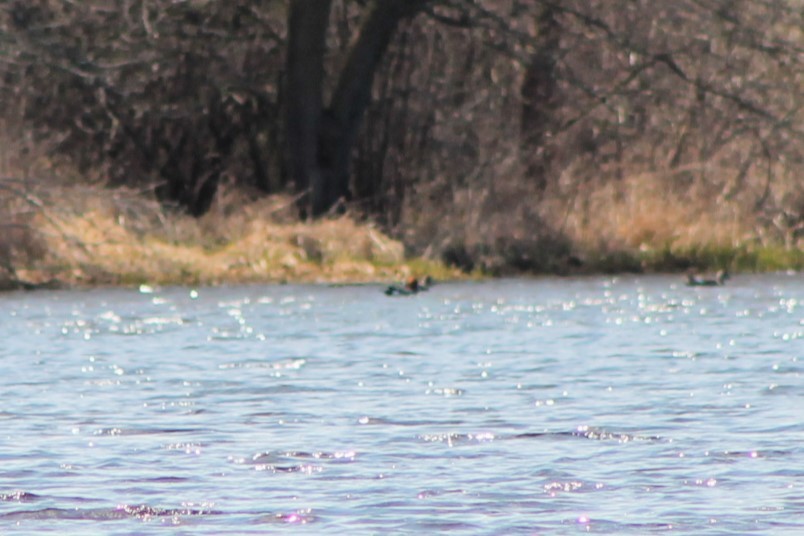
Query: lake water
(625, 405)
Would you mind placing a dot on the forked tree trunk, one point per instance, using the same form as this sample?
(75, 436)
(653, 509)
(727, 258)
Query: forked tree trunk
(321, 138)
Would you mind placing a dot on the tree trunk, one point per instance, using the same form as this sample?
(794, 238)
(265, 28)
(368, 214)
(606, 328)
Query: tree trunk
(321, 140)
(538, 96)
(307, 26)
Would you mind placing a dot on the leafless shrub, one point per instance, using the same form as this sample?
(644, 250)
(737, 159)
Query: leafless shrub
(514, 127)
(172, 95)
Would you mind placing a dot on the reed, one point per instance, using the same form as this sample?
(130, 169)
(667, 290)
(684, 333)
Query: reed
(83, 235)
(666, 226)
(644, 222)
(61, 230)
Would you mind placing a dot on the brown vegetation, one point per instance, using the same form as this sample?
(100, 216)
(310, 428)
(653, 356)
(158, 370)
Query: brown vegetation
(78, 236)
(61, 232)
(502, 135)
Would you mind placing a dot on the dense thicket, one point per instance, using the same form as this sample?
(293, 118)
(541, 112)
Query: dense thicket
(477, 109)
(177, 96)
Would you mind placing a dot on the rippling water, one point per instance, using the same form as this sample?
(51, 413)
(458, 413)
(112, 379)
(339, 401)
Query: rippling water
(627, 405)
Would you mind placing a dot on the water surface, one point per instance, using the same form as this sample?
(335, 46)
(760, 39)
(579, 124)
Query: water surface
(627, 405)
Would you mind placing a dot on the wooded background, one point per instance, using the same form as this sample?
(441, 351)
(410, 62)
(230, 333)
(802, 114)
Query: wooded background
(465, 127)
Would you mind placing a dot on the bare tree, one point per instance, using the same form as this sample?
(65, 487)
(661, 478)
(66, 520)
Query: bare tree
(321, 138)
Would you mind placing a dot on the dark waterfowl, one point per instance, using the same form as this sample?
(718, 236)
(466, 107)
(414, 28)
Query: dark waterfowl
(695, 280)
(412, 286)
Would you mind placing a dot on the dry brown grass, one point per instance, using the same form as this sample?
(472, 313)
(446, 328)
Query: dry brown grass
(661, 221)
(91, 236)
(57, 229)
(641, 213)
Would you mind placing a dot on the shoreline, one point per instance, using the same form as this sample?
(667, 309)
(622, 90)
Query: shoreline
(42, 280)
(87, 237)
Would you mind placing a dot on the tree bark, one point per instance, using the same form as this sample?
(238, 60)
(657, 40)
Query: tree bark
(307, 26)
(538, 92)
(321, 139)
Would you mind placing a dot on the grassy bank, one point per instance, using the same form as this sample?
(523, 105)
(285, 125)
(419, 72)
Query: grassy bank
(654, 223)
(89, 236)
(67, 236)
(62, 232)
(668, 221)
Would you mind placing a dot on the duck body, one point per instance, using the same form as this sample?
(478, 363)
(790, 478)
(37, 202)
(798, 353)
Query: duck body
(396, 290)
(411, 286)
(695, 280)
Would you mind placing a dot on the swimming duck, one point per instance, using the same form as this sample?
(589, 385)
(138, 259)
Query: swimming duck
(411, 287)
(695, 280)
